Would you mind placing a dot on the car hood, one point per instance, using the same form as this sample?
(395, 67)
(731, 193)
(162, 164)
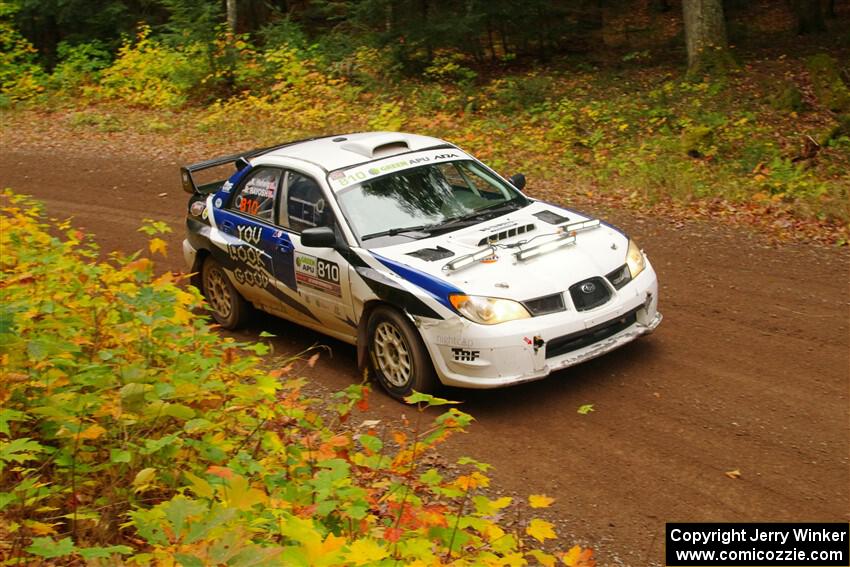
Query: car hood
(596, 252)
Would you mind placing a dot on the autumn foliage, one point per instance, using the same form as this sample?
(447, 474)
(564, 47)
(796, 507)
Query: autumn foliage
(132, 432)
(766, 142)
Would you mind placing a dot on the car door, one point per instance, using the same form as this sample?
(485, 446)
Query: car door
(246, 221)
(321, 274)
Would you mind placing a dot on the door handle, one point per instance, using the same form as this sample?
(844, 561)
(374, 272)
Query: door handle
(227, 226)
(285, 246)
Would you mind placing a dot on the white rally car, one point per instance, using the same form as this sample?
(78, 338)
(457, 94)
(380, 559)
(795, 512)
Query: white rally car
(437, 268)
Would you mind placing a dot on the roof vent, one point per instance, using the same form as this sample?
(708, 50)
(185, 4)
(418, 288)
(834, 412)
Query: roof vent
(378, 145)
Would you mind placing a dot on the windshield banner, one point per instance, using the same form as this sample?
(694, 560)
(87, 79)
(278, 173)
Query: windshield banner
(346, 177)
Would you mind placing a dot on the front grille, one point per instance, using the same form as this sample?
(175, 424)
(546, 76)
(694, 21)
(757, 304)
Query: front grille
(620, 277)
(545, 305)
(505, 234)
(581, 339)
(590, 293)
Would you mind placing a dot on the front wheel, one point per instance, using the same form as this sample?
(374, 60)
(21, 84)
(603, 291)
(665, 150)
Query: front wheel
(399, 359)
(229, 309)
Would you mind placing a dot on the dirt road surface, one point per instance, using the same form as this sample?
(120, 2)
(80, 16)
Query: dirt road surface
(750, 371)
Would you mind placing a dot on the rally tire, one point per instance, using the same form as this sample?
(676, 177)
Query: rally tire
(399, 361)
(228, 308)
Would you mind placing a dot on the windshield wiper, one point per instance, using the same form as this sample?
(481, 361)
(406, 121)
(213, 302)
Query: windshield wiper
(454, 222)
(485, 213)
(400, 230)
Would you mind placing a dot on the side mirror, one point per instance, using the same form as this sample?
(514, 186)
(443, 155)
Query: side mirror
(518, 180)
(318, 237)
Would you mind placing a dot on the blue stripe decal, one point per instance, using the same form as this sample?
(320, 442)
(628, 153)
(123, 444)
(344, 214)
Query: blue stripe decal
(438, 288)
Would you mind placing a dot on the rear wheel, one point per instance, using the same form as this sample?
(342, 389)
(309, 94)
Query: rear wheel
(229, 309)
(399, 359)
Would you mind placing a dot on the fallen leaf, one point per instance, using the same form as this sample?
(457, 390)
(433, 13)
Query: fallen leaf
(158, 245)
(540, 501)
(540, 530)
(578, 557)
(543, 558)
(585, 409)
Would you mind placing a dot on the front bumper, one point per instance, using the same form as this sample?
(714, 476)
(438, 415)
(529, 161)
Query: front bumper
(469, 355)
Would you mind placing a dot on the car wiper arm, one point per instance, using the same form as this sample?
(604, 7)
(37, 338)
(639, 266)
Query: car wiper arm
(477, 215)
(399, 230)
(447, 223)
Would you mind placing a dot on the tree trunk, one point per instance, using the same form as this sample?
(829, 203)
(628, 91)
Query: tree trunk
(231, 15)
(809, 16)
(705, 35)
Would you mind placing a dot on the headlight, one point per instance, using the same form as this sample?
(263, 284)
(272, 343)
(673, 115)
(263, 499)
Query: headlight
(634, 259)
(488, 310)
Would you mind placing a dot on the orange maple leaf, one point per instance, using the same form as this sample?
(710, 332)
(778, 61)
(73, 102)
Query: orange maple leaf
(578, 557)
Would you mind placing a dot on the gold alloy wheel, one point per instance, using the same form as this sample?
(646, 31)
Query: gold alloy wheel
(392, 354)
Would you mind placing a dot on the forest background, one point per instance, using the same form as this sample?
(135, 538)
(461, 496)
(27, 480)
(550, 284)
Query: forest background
(719, 109)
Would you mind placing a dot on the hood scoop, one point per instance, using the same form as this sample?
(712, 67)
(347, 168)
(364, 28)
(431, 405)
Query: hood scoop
(432, 254)
(507, 233)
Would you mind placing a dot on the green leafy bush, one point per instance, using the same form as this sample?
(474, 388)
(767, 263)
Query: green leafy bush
(79, 65)
(149, 73)
(21, 78)
(131, 429)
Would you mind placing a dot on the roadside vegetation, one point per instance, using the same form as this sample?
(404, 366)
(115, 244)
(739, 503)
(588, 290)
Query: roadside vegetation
(132, 432)
(766, 141)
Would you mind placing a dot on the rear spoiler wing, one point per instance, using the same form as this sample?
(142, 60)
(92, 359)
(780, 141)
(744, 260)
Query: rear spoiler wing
(239, 160)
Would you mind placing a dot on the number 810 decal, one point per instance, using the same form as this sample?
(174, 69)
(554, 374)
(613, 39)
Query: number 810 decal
(317, 273)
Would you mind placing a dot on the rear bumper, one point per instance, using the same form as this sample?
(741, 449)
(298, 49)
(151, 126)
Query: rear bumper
(467, 355)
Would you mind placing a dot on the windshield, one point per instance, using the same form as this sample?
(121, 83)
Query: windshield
(420, 201)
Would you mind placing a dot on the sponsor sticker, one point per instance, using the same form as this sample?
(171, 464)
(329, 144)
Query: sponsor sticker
(465, 355)
(340, 179)
(318, 274)
(217, 203)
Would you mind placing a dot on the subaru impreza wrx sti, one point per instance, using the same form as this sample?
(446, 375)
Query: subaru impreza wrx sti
(438, 269)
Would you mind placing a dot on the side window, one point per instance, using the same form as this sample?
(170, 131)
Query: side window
(453, 176)
(486, 188)
(256, 196)
(306, 206)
